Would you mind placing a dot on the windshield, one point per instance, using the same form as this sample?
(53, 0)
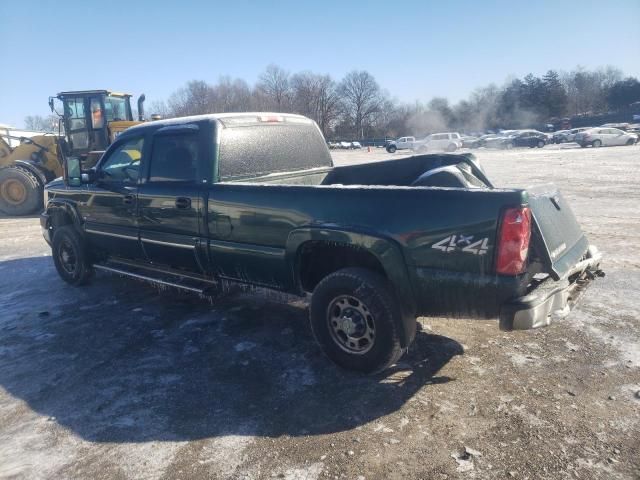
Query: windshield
(117, 108)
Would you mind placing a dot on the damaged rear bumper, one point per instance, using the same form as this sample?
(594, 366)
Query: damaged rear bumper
(551, 298)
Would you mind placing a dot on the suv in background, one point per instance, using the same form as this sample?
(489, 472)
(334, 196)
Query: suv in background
(448, 142)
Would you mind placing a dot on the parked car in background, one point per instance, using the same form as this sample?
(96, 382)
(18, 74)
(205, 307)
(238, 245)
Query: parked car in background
(355, 145)
(571, 137)
(468, 141)
(525, 138)
(605, 137)
(345, 145)
(481, 141)
(500, 140)
(449, 142)
(560, 136)
(634, 128)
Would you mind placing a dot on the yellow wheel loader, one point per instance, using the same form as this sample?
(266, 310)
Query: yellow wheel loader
(92, 119)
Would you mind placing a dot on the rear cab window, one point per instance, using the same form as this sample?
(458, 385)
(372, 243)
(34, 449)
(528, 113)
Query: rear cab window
(251, 146)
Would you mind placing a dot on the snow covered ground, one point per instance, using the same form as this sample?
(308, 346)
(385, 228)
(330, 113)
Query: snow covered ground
(121, 380)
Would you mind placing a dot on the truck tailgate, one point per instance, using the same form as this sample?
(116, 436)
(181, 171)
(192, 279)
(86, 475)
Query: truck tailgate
(557, 233)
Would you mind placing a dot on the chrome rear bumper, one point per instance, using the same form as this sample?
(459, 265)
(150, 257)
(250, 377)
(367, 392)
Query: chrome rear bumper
(551, 299)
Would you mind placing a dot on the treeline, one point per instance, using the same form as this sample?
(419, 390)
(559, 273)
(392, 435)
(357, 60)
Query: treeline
(357, 107)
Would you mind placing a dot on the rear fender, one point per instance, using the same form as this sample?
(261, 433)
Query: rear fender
(386, 251)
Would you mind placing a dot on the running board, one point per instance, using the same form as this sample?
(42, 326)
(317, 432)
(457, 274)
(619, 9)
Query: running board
(168, 283)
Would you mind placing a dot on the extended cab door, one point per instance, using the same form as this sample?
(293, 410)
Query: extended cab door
(169, 206)
(109, 212)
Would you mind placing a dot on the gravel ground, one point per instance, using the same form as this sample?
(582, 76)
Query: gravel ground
(121, 380)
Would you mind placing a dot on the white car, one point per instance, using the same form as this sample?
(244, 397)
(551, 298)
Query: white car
(607, 137)
(571, 136)
(449, 142)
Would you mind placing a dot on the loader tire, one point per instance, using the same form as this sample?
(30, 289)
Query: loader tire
(20, 191)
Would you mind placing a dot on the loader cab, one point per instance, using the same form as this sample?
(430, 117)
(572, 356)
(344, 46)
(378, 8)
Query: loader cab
(93, 118)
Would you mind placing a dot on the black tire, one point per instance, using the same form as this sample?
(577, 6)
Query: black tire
(367, 297)
(452, 147)
(540, 143)
(70, 256)
(391, 149)
(20, 191)
(630, 141)
(596, 144)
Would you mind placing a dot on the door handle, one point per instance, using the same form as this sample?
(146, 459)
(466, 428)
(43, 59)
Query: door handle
(128, 199)
(183, 202)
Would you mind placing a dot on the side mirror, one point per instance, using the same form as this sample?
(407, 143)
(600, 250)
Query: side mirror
(72, 172)
(51, 104)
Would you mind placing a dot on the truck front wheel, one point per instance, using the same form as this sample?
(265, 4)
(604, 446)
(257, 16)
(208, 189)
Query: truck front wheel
(70, 256)
(20, 191)
(391, 149)
(355, 318)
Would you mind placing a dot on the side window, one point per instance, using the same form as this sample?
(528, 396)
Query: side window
(97, 119)
(174, 158)
(123, 164)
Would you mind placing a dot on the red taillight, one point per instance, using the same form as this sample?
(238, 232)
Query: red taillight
(513, 241)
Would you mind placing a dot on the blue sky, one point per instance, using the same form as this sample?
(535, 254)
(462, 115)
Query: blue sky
(415, 49)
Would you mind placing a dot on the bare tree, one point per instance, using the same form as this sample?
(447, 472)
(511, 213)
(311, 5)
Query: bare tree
(316, 96)
(39, 123)
(274, 85)
(362, 98)
(231, 95)
(194, 99)
(158, 107)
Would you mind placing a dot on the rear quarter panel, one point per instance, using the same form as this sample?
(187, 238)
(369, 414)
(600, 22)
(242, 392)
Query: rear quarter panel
(436, 230)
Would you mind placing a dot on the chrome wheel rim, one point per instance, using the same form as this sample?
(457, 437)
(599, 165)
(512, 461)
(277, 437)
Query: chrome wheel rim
(351, 324)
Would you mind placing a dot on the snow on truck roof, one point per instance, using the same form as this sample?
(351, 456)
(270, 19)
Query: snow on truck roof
(230, 118)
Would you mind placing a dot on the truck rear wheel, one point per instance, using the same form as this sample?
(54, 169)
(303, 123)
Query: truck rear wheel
(355, 318)
(70, 256)
(20, 191)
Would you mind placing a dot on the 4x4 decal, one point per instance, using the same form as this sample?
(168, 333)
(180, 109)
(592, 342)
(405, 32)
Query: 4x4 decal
(462, 243)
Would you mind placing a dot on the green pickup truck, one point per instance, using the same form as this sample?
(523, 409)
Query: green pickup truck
(254, 198)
